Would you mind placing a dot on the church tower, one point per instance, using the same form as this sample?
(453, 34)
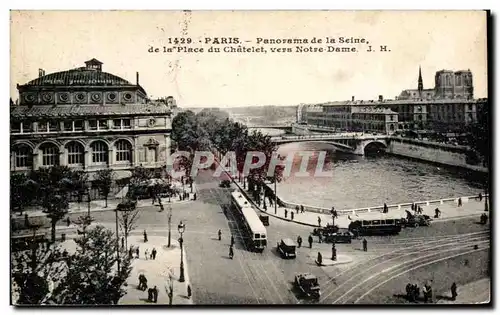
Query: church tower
(420, 82)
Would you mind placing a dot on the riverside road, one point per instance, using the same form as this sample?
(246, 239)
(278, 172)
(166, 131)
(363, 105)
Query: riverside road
(443, 252)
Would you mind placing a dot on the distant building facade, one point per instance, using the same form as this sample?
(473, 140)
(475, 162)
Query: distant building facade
(448, 107)
(88, 119)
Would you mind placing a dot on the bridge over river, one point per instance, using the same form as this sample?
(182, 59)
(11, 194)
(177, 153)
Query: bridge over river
(350, 142)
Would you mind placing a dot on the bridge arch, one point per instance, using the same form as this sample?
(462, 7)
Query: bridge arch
(374, 146)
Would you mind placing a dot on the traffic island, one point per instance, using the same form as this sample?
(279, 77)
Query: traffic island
(162, 272)
(327, 261)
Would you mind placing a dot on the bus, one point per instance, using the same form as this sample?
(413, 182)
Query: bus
(255, 233)
(376, 223)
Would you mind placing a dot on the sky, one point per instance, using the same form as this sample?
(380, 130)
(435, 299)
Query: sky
(435, 40)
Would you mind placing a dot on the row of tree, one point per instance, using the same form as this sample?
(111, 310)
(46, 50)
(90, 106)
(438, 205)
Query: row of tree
(209, 130)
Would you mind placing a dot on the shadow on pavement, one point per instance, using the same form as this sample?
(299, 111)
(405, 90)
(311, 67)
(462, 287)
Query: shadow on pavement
(443, 297)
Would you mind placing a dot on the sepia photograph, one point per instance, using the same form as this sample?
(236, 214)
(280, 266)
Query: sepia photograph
(250, 158)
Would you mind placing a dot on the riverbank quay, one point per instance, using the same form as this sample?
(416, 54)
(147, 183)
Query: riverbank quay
(315, 216)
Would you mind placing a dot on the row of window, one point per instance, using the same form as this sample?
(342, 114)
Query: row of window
(23, 156)
(74, 125)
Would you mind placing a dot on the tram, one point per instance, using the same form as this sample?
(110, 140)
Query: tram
(255, 233)
(376, 223)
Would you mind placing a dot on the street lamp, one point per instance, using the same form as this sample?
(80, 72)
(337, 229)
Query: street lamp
(117, 241)
(169, 223)
(89, 186)
(275, 197)
(181, 227)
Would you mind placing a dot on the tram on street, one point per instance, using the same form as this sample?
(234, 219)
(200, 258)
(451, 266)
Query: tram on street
(376, 223)
(254, 230)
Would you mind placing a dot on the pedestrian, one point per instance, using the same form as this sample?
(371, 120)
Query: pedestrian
(146, 254)
(437, 213)
(137, 252)
(291, 216)
(68, 222)
(153, 253)
(194, 196)
(319, 221)
(412, 207)
(286, 213)
(145, 236)
(334, 252)
(319, 261)
(310, 240)
(220, 234)
(454, 291)
(232, 240)
(459, 202)
(301, 209)
(320, 237)
(189, 291)
(480, 197)
(130, 253)
(150, 295)
(365, 245)
(335, 214)
(155, 294)
(299, 241)
(26, 220)
(386, 209)
(231, 252)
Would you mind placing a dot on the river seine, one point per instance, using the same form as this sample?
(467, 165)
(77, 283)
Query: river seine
(359, 181)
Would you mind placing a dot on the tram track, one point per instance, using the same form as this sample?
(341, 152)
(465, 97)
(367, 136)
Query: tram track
(355, 274)
(259, 273)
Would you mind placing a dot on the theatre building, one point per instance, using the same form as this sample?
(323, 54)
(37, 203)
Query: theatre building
(88, 119)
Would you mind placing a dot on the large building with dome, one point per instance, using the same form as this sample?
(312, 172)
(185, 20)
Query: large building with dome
(88, 119)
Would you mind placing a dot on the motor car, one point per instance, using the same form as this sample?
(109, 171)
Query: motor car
(341, 236)
(287, 248)
(328, 229)
(308, 284)
(418, 220)
(225, 184)
(264, 219)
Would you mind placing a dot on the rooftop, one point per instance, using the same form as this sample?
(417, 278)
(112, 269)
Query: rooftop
(89, 75)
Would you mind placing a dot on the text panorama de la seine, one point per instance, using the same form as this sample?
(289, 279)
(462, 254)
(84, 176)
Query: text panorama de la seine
(267, 45)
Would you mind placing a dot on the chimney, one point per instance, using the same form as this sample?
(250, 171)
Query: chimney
(137, 78)
(352, 98)
(41, 73)
(380, 98)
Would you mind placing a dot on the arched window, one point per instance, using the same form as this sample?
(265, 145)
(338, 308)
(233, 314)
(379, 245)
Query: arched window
(391, 127)
(123, 151)
(23, 156)
(99, 152)
(75, 153)
(50, 154)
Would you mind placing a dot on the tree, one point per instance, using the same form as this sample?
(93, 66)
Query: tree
(128, 220)
(79, 181)
(92, 277)
(103, 181)
(140, 175)
(22, 191)
(56, 203)
(31, 271)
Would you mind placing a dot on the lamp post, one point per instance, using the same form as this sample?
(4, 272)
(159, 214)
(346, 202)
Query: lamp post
(89, 186)
(275, 197)
(169, 222)
(181, 227)
(117, 241)
(486, 197)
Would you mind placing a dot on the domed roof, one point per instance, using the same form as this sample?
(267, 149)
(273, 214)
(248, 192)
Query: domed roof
(90, 75)
(80, 76)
